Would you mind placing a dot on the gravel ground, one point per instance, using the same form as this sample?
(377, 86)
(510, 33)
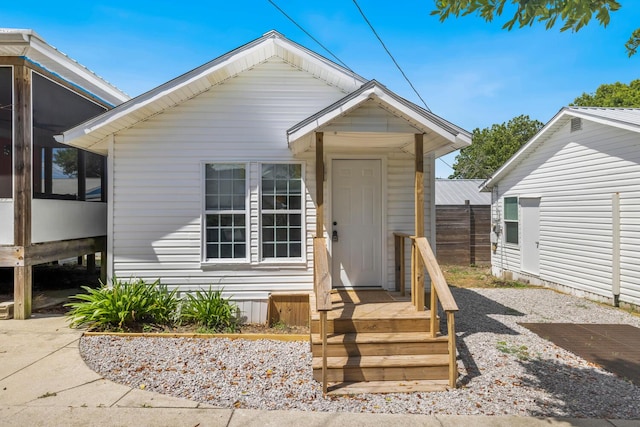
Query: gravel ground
(504, 368)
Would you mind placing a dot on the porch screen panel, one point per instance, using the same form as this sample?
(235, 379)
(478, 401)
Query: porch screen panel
(226, 212)
(6, 132)
(281, 189)
(60, 171)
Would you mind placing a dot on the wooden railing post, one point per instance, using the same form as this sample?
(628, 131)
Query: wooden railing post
(453, 364)
(322, 289)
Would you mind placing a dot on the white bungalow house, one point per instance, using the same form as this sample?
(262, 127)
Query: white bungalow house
(218, 178)
(213, 174)
(566, 207)
(47, 212)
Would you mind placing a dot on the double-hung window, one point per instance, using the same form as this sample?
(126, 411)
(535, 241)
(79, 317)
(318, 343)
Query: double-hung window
(511, 220)
(226, 212)
(228, 209)
(281, 210)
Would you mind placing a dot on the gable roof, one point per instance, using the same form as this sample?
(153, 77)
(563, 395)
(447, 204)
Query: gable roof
(458, 191)
(88, 135)
(441, 136)
(30, 46)
(623, 118)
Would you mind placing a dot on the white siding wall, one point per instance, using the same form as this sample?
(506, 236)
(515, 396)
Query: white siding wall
(576, 174)
(54, 220)
(6, 222)
(158, 181)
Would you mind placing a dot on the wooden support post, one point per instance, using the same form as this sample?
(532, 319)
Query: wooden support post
(433, 316)
(453, 364)
(91, 263)
(22, 190)
(323, 333)
(82, 175)
(22, 280)
(319, 184)
(403, 291)
(103, 267)
(419, 218)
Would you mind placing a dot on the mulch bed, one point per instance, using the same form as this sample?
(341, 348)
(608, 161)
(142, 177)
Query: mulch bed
(616, 348)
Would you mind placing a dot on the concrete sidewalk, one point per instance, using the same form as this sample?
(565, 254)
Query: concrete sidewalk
(44, 382)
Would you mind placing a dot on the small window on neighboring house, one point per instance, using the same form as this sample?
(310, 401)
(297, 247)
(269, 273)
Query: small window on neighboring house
(226, 212)
(281, 210)
(511, 219)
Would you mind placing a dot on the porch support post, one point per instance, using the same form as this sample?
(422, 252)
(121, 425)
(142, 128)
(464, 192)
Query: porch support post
(319, 183)
(22, 189)
(418, 298)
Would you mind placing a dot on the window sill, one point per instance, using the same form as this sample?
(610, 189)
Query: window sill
(246, 265)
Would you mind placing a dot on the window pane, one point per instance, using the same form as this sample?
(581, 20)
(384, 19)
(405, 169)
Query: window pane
(511, 232)
(226, 236)
(511, 208)
(282, 191)
(268, 202)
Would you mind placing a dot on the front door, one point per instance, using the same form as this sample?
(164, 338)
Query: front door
(356, 241)
(530, 208)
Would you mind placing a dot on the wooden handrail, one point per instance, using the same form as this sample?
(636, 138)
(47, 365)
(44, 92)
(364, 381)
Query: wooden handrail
(421, 253)
(437, 278)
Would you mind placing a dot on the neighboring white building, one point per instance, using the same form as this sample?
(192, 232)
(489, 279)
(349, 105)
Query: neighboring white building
(213, 175)
(566, 207)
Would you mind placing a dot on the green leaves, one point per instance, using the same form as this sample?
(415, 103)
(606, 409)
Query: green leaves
(122, 305)
(575, 14)
(491, 147)
(125, 305)
(612, 95)
(209, 310)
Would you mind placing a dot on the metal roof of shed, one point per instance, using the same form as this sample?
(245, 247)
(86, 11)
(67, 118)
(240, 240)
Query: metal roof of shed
(27, 44)
(458, 191)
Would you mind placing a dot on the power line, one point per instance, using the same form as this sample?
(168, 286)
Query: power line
(307, 33)
(390, 55)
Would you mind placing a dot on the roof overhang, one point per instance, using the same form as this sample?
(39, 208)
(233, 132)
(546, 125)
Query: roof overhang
(594, 114)
(29, 45)
(92, 134)
(339, 122)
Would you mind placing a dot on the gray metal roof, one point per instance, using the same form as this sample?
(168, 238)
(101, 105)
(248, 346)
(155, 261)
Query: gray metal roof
(30, 46)
(458, 191)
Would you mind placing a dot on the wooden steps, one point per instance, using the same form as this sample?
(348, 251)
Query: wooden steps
(379, 345)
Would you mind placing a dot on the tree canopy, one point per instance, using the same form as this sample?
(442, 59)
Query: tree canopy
(492, 147)
(574, 14)
(611, 95)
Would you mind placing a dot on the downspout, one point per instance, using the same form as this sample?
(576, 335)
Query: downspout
(615, 256)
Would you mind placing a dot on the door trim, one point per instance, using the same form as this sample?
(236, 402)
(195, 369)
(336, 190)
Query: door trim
(384, 253)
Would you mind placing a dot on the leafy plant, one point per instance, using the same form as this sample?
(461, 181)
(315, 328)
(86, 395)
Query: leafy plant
(123, 304)
(521, 352)
(210, 311)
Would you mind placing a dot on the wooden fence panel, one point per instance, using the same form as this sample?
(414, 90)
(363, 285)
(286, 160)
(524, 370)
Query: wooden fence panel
(462, 234)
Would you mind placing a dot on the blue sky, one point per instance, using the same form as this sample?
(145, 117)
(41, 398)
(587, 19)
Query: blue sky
(472, 73)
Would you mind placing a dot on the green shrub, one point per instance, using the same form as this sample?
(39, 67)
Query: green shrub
(122, 305)
(210, 311)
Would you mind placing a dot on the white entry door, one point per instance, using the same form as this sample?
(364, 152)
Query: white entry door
(356, 229)
(530, 209)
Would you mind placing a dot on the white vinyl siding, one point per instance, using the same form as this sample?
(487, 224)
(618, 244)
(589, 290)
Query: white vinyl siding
(576, 174)
(158, 185)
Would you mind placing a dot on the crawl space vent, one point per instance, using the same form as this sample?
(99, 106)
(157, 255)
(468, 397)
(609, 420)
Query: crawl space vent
(576, 124)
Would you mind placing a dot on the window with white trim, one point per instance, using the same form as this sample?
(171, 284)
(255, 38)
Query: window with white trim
(281, 210)
(511, 220)
(226, 211)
